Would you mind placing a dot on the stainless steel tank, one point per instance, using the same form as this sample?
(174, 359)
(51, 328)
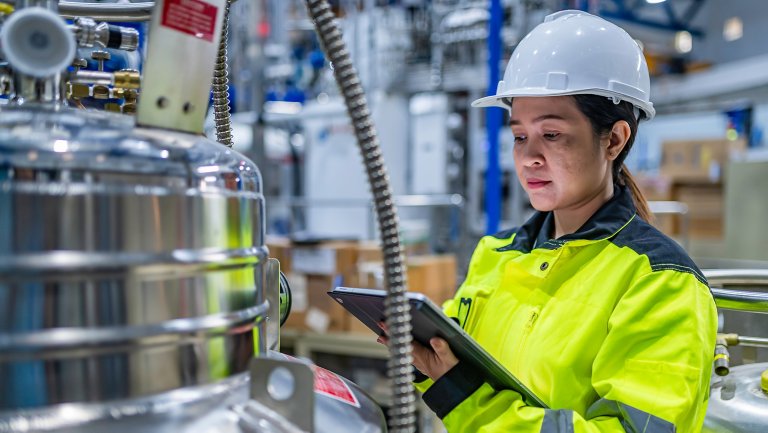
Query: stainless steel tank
(738, 402)
(131, 260)
(132, 267)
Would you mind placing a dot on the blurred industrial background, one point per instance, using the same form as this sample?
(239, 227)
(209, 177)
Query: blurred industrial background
(702, 162)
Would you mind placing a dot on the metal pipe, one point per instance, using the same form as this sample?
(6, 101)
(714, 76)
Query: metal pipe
(753, 341)
(722, 281)
(415, 200)
(740, 277)
(402, 413)
(123, 12)
(741, 300)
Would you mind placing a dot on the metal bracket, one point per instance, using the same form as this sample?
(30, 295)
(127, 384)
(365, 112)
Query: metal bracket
(285, 387)
(272, 291)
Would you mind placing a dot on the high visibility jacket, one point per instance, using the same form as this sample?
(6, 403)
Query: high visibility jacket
(613, 327)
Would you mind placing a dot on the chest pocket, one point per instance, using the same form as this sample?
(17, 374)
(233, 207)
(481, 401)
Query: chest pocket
(468, 311)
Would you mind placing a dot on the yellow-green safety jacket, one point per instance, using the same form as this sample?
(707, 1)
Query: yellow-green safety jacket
(613, 327)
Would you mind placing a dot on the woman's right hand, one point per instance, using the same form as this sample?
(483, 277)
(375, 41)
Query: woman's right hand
(433, 361)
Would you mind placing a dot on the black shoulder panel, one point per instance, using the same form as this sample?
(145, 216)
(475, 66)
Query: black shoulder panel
(663, 253)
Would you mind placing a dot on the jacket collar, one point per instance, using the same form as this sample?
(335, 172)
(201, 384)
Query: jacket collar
(603, 224)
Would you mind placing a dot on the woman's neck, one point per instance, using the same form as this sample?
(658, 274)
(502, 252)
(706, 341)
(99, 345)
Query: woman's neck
(570, 219)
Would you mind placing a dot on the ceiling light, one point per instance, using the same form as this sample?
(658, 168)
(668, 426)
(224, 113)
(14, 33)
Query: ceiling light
(655, 1)
(733, 29)
(683, 42)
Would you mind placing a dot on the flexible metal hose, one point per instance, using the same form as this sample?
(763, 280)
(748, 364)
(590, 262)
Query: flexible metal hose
(221, 86)
(402, 416)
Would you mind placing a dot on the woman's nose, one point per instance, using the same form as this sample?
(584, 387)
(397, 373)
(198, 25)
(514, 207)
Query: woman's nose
(530, 154)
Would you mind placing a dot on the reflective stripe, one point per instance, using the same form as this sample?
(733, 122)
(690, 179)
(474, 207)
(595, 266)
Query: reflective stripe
(633, 420)
(557, 421)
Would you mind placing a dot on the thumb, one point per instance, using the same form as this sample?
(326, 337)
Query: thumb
(440, 346)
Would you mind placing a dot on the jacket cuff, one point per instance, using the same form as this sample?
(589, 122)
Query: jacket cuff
(418, 376)
(452, 388)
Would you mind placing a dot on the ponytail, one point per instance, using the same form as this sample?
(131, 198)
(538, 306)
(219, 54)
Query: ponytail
(641, 204)
(603, 113)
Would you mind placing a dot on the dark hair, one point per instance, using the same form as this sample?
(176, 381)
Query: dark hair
(603, 113)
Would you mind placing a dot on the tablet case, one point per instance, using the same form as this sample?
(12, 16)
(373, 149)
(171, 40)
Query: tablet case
(427, 321)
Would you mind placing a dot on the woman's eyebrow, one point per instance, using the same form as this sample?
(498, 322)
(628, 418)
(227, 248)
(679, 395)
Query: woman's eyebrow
(539, 119)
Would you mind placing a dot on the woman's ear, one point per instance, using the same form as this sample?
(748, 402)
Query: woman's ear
(618, 138)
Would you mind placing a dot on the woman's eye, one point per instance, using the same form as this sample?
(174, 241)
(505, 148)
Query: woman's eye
(552, 136)
(520, 139)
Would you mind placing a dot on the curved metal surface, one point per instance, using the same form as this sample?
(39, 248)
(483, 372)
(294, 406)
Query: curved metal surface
(172, 411)
(737, 276)
(126, 12)
(134, 262)
(168, 332)
(741, 300)
(737, 404)
(402, 412)
(221, 407)
(725, 285)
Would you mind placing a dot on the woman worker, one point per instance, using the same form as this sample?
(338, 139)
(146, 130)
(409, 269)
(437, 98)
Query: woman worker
(603, 317)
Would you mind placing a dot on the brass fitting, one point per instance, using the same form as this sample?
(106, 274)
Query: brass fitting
(127, 79)
(101, 92)
(79, 90)
(112, 107)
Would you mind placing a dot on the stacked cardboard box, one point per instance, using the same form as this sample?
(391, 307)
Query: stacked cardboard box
(695, 171)
(314, 269)
(432, 275)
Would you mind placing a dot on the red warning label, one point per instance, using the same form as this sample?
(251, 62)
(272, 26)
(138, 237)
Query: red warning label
(331, 385)
(193, 17)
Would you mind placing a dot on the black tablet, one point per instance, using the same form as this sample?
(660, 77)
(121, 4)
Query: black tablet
(427, 321)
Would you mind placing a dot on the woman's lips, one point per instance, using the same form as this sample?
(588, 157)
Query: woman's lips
(536, 183)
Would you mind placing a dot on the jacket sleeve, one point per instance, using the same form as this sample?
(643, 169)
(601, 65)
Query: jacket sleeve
(651, 373)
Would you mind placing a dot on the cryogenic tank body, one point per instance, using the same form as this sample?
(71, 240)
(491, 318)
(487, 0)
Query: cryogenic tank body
(131, 260)
(738, 401)
(132, 285)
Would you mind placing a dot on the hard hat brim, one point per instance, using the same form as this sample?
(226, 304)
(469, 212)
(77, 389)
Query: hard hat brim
(496, 100)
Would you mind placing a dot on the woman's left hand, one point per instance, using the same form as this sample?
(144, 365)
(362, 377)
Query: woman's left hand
(432, 361)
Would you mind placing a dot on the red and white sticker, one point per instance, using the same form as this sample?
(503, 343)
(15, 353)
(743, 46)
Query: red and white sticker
(193, 17)
(329, 384)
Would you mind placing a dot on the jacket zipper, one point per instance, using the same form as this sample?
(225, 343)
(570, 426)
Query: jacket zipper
(534, 314)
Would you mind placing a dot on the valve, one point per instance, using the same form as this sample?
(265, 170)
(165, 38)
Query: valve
(37, 42)
(89, 34)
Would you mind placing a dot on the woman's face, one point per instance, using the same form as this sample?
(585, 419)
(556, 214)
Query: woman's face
(559, 161)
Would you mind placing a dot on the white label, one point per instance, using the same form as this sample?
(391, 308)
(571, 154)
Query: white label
(314, 260)
(299, 299)
(317, 320)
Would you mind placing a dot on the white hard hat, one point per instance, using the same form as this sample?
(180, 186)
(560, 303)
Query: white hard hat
(572, 53)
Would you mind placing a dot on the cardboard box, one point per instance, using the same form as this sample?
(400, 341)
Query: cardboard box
(313, 309)
(280, 249)
(705, 209)
(433, 275)
(316, 269)
(698, 160)
(325, 258)
(369, 251)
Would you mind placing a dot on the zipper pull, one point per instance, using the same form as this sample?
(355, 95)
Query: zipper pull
(532, 320)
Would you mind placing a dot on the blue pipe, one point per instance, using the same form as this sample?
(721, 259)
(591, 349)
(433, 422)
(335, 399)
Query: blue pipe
(493, 118)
